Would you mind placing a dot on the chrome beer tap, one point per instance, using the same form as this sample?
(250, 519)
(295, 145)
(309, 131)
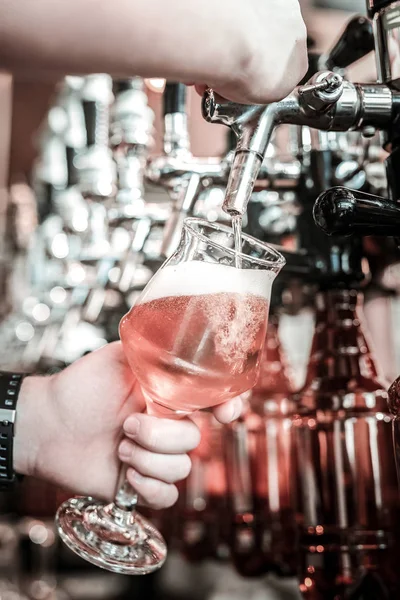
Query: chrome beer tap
(131, 137)
(344, 211)
(191, 180)
(41, 267)
(50, 170)
(129, 216)
(326, 102)
(70, 236)
(96, 167)
(177, 170)
(69, 203)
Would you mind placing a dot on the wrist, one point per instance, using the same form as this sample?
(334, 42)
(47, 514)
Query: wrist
(30, 424)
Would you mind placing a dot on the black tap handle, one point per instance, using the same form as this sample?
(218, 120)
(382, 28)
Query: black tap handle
(174, 98)
(90, 111)
(340, 211)
(356, 41)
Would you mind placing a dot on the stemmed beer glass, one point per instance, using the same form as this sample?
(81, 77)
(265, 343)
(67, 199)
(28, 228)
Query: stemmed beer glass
(193, 340)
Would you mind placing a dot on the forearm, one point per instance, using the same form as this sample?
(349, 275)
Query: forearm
(185, 41)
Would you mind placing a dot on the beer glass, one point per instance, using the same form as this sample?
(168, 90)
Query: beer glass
(193, 340)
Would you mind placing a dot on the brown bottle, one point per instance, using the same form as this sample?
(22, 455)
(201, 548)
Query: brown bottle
(348, 503)
(245, 524)
(201, 509)
(272, 399)
(258, 461)
(394, 407)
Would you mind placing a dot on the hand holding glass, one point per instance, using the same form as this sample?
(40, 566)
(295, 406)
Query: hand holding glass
(193, 340)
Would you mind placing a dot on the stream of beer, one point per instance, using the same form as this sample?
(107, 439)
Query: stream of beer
(237, 232)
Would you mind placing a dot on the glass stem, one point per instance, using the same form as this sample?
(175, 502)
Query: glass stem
(125, 498)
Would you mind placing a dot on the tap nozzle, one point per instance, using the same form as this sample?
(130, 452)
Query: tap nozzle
(243, 176)
(252, 125)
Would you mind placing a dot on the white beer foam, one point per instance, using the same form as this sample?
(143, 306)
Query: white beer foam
(197, 277)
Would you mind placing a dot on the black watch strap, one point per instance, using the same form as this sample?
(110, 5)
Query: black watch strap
(10, 385)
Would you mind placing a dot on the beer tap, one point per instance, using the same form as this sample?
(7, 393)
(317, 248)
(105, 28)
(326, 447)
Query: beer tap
(344, 211)
(177, 170)
(75, 134)
(50, 170)
(326, 102)
(69, 203)
(96, 168)
(325, 106)
(124, 213)
(186, 177)
(344, 152)
(131, 137)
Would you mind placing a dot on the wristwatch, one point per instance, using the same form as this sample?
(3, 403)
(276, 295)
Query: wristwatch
(10, 385)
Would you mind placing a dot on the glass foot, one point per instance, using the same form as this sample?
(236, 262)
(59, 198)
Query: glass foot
(108, 537)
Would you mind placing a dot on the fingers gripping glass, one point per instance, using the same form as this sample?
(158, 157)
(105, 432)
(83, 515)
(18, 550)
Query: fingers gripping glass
(193, 340)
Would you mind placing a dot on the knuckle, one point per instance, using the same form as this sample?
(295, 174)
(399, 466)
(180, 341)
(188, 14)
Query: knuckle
(193, 438)
(160, 495)
(152, 492)
(185, 467)
(142, 459)
(176, 470)
(168, 469)
(169, 496)
(196, 437)
(133, 454)
(151, 435)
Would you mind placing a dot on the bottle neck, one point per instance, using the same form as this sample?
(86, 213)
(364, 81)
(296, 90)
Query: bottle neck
(340, 361)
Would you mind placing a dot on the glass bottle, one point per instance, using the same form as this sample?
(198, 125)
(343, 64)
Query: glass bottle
(257, 451)
(272, 400)
(348, 503)
(201, 509)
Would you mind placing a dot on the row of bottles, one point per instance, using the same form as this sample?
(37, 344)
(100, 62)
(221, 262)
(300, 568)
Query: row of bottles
(348, 497)
(304, 483)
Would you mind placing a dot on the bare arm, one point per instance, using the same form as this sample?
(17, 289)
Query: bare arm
(219, 42)
(122, 37)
